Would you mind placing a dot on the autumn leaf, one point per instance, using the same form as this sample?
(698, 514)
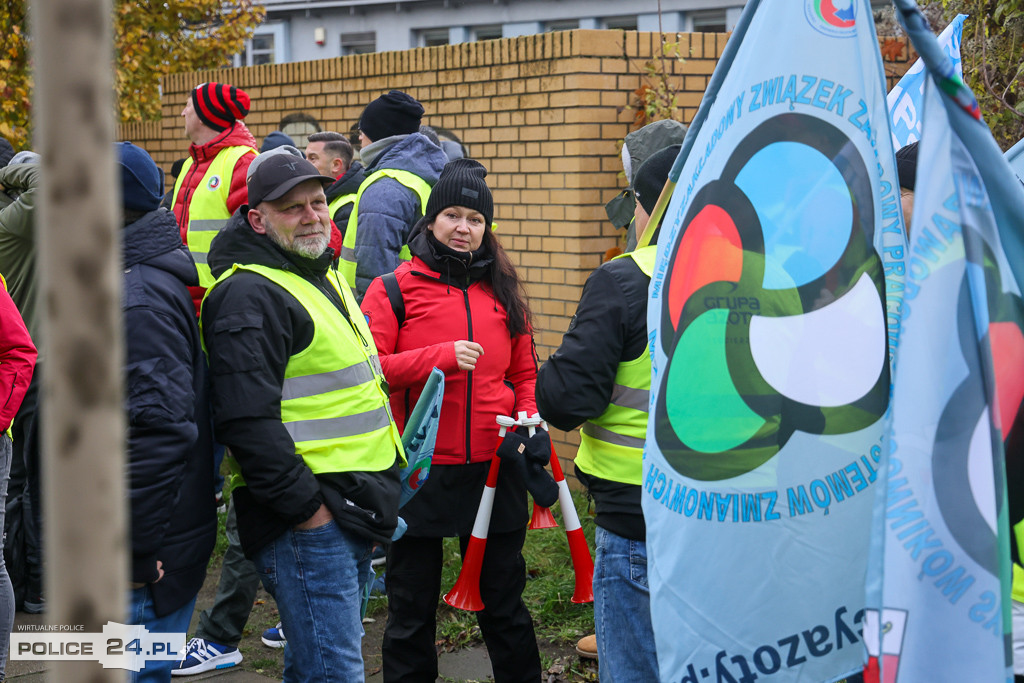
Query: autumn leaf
(892, 49)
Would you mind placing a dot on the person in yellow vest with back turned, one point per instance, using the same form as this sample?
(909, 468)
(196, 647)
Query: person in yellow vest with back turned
(300, 401)
(401, 166)
(211, 185)
(600, 377)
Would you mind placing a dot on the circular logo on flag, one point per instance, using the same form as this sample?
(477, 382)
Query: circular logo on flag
(967, 468)
(772, 316)
(214, 183)
(416, 478)
(834, 18)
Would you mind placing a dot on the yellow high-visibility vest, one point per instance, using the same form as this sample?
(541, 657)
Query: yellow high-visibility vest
(334, 403)
(340, 201)
(612, 444)
(347, 259)
(208, 210)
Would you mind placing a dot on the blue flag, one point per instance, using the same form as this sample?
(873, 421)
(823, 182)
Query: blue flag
(770, 357)
(904, 99)
(1015, 155)
(420, 435)
(957, 389)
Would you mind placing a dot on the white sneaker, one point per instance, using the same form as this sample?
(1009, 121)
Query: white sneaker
(202, 655)
(274, 636)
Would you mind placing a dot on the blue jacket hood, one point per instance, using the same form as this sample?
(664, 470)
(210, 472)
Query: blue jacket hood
(155, 240)
(414, 153)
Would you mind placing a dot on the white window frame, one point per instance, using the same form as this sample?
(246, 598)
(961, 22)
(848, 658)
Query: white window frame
(627, 22)
(342, 46)
(493, 29)
(697, 21)
(433, 35)
(277, 30)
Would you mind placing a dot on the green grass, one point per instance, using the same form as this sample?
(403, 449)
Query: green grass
(558, 622)
(548, 593)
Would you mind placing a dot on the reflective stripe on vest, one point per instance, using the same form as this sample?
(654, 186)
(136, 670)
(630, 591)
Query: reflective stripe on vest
(208, 208)
(333, 401)
(612, 444)
(347, 259)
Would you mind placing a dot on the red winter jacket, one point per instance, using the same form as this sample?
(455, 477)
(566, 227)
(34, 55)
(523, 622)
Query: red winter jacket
(202, 156)
(436, 316)
(17, 359)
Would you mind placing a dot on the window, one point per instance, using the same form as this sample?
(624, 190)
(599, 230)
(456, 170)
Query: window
(358, 43)
(299, 126)
(709, 22)
(620, 23)
(566, 25)
(433, 37)
(262, 49)
(487, 32)
(267, 46)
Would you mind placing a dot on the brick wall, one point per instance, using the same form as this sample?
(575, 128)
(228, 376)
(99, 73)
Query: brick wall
(544, 113)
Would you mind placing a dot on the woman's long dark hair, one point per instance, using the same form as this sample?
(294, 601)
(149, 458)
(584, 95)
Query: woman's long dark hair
(508, 288)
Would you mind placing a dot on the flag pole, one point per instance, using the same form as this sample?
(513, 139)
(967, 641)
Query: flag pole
(710, 95)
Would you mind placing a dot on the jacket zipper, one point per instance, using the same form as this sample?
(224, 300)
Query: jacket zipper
(469, 381)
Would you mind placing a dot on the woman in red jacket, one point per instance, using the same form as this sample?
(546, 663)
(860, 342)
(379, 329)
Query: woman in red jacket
(465, 313)
(17, 361)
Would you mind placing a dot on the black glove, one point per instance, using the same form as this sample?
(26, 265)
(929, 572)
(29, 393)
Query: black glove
(513, 447)
(539, 482)
(538, 448)
(516, 449)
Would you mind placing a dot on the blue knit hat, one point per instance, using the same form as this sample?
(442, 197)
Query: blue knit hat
(275, 140)
(142, 183)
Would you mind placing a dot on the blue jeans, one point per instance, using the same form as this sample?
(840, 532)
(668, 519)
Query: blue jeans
(622, 610)
(140, 606)
(6, 590)
(317, 578)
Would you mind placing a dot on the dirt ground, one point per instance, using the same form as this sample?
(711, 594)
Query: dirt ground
(562, 663)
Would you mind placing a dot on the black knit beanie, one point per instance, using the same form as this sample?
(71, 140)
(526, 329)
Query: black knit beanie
(392, 114)
(651, 176)
(906, 165)
(461, 184)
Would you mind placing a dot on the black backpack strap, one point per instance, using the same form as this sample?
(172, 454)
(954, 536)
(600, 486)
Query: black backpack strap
(394, 293)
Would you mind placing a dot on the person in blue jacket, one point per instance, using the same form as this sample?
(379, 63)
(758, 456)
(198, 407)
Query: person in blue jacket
(170, 447)
(401, 165)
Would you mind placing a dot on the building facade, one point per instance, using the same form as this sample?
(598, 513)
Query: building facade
(304, 30)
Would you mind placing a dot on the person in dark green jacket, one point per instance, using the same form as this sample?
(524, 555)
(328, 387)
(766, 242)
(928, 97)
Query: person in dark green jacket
(18, 187)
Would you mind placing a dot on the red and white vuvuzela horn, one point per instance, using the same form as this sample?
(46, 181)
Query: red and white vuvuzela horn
(542, 517)
(582, 562)
(465, 594)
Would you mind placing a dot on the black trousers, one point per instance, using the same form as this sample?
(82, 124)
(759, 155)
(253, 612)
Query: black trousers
(27, 473)
(413, 586)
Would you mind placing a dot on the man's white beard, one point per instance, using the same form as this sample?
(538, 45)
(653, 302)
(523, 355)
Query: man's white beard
(306, 247)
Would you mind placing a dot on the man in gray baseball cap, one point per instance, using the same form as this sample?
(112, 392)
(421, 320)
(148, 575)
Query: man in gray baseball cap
(299, 399)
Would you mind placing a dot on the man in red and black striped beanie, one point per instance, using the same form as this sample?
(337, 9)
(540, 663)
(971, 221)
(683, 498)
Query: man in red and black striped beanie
(211, 185)
(218, 105)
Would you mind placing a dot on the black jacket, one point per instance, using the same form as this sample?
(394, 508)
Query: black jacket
(347, 184)
(170, 447)
(252, 327)
(575, 384)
